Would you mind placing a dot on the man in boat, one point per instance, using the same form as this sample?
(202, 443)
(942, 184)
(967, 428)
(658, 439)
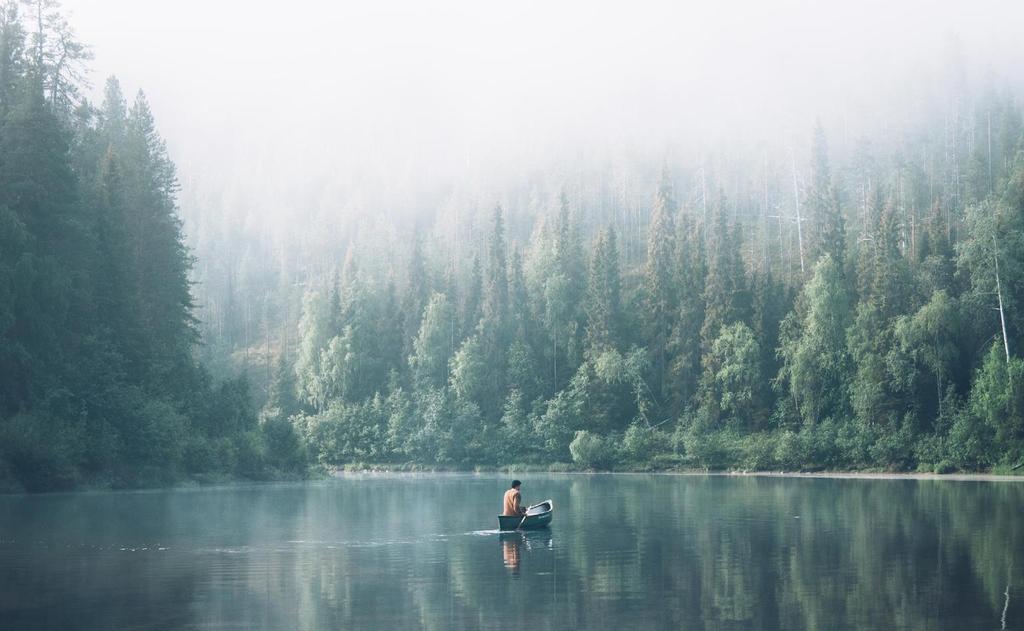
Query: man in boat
(513, 500)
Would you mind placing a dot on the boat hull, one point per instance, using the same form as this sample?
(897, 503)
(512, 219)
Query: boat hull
(537, 516)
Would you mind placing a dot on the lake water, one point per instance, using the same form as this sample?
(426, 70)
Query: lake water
(422, 552)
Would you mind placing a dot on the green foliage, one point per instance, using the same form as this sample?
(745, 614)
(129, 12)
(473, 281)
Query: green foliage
(591, 451)
(734, 384)
(516, 434)
(468, 371)
(894, 447)
(869, 362)
(98, 383)
(563, 416)
(997, 404)
(559, 329)
(40, 452)
(717, 449)
(604, 296)
(659, 289)
(874, 389)
(816, 365)
(828, 236)
(432, 346)
(641, 442)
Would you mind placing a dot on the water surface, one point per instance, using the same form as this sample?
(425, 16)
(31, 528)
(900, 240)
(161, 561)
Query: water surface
(422, 552)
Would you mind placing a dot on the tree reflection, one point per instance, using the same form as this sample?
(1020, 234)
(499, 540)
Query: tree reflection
(624, 552)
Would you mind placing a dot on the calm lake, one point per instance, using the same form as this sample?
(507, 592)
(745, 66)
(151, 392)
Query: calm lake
(422, 552)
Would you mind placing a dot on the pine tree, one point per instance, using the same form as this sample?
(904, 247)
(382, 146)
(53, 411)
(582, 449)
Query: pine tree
(685, 343)
(494, 326)
(387, 335)
(570, 263)
(471, 307)
(161, 260)
(97, 376)
(822, 204)
(725, 288)
(116, 289)
(495, 306)
(113, 122)
(604, 300)
(56, 58)
(12, 55)
(882, 271)
(520, 315)
(659, 284)
(282, 396)
(417, 293)
(40, 193)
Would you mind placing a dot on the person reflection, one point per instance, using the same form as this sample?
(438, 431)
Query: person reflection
(510, 552)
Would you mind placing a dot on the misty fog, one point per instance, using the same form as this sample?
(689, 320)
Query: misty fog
(373, 105)
(285, 238)
(331, 243)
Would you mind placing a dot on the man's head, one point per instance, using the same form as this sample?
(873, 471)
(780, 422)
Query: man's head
(515, 484)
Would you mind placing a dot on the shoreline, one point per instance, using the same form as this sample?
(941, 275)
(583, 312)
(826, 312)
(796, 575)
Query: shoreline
(851, 475)
(861, 475)
(339, 472)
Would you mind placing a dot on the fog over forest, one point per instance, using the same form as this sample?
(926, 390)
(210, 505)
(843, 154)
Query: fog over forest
(325, 118)
(656, 235)
(419, 99)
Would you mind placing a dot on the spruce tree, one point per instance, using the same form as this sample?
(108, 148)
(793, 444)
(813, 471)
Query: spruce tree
(822, 203)
(659, 287)
(417, 293)
(725, 286)
(604, 300)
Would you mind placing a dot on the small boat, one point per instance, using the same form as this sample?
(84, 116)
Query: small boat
(537, 516)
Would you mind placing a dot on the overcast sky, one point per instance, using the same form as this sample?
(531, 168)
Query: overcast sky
(435, 89)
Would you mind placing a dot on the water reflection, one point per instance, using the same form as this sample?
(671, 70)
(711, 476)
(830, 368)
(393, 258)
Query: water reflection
(658, 552)
(510, 542)
(514, 543)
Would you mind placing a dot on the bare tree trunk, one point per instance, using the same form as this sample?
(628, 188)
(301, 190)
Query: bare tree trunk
(554, 356)
(247, 313)
(764, 217)
(704, 205)
(989, 124)
(999, 293)
(799, 221)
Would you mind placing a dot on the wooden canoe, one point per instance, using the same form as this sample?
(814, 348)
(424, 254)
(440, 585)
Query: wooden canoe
(537, 516)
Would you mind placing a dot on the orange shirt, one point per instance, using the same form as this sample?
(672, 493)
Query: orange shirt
(511, 502)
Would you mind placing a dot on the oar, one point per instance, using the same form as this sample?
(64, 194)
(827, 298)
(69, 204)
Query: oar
(525, 515)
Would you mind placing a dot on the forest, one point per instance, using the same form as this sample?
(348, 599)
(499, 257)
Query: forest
(873, 337)
(98, 380)
(743, 310)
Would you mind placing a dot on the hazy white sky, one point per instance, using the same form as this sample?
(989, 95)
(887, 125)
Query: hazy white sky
(434, 89)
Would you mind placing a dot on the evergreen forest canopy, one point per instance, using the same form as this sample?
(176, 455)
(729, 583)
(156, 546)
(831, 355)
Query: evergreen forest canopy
(98, 383)
(870, 320)
(824, 314)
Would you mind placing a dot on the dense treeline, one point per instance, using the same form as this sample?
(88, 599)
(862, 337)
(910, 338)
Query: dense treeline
(870, 323)
(98, 383)
(746, 314)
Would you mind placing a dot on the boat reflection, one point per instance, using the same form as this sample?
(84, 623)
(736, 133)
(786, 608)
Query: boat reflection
(514, 544)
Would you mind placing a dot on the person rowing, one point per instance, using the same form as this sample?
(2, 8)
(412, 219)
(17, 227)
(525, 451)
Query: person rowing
(513, 501)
